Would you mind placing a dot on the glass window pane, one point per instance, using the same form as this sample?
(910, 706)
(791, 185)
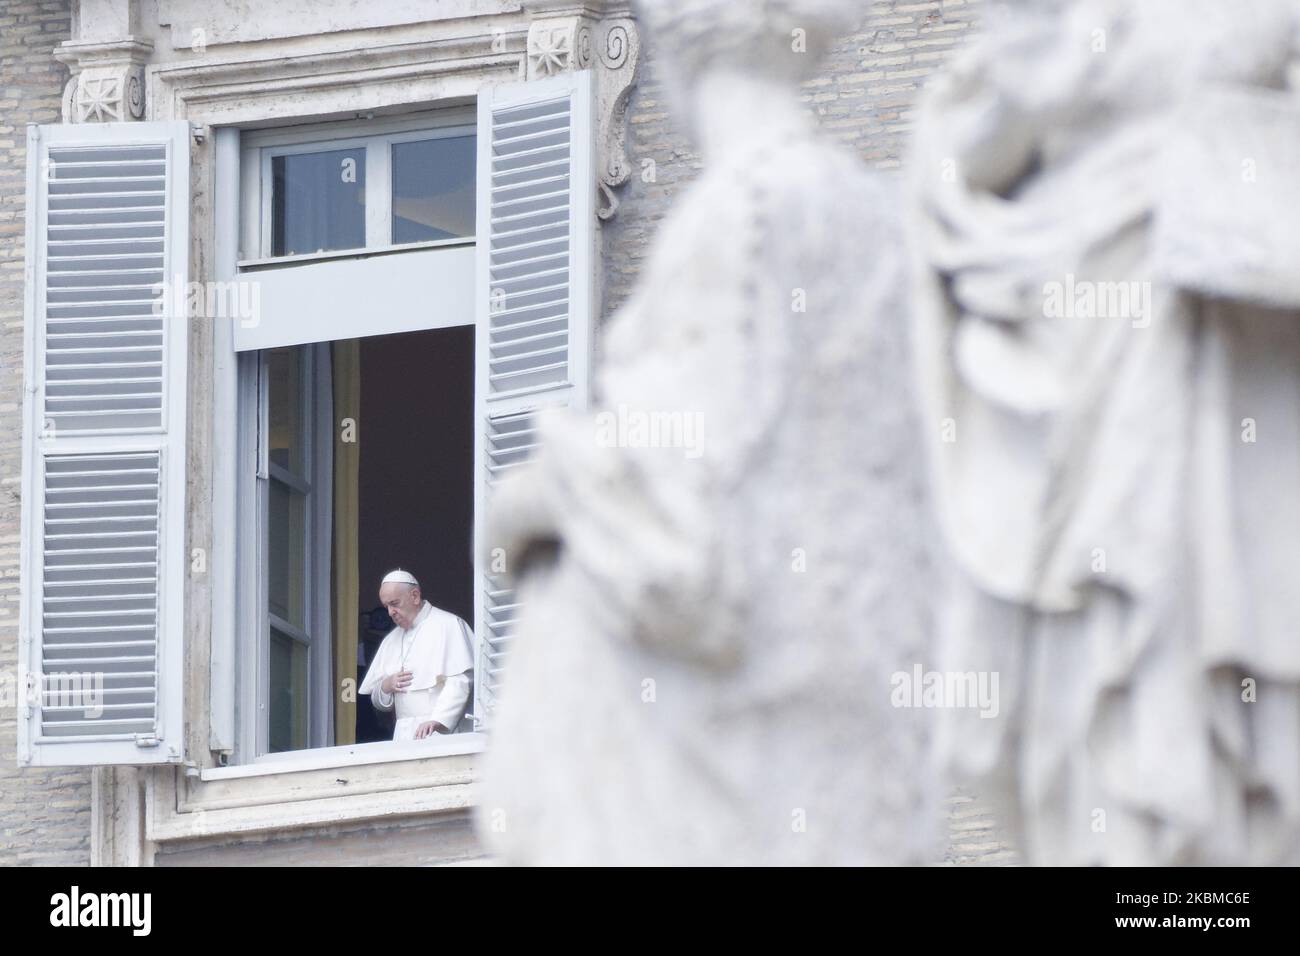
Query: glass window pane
(285, 553)
(433, 189)
(285, 418)
(288, 693)
(318, 202)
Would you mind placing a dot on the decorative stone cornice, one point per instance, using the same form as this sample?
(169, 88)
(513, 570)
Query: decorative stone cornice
(567, 35)
(109, 54)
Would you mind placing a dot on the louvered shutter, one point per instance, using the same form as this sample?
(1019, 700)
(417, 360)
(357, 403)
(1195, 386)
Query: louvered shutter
(535, 292)
(104, 444)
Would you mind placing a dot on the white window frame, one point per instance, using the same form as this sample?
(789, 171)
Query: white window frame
(251, 616)
(373, 148)
(449, 760)
(252, 225)
(256, 493)
(376, 136)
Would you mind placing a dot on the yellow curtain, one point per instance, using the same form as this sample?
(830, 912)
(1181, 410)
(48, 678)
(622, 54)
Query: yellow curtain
(347, 473)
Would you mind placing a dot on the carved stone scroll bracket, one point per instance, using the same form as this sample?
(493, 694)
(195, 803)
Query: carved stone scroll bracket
(617, 49)
(578, 36)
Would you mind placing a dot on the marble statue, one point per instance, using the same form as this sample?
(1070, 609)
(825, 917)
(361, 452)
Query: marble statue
(1104, 199)
(702, 672)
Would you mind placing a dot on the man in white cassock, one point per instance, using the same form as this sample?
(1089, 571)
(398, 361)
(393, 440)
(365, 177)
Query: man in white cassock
(424, 666)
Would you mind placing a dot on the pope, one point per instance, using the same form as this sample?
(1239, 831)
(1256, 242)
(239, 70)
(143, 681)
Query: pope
(424, 667)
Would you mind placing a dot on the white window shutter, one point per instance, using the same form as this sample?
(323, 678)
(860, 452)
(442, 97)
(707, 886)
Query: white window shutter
(535, 282)
(103, 500)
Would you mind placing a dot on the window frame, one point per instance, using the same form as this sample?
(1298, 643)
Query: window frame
(377, 135)
(252, 616)
(253, 153)
(369, 788)
(317, 402)
(268, 155)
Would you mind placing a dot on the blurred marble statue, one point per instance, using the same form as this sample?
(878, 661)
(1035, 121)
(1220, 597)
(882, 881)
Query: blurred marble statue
(702, 673)
(1105, 198)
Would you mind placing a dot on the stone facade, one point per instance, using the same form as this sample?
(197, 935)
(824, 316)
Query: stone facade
(864, 97)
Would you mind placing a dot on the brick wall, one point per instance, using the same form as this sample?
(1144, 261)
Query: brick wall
(44, 814)
(863, 97)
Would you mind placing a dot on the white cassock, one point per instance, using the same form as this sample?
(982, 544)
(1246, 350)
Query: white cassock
(437, 649)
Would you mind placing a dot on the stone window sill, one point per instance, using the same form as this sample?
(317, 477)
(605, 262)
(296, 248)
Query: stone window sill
(336, 785)
(352, 755)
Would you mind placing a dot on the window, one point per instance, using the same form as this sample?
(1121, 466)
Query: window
(350, 352)
(352, 483)
(459, 339)
(437, 340)
(318, 201)
(433, 188)
(393, 183)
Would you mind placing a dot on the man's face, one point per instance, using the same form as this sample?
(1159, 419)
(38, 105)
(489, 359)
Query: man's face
(402, 601)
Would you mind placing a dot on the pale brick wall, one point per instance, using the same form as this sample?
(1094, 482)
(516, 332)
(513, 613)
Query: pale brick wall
(863, 95)
(44, 814)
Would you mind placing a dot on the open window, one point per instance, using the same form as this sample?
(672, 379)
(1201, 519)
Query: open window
(356, 405)
(364, 462)
(344, 188)
(418, 292)
(394, 301)
(293, 501)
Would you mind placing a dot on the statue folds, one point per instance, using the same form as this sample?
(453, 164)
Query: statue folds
(1105, 204)
(702, 672)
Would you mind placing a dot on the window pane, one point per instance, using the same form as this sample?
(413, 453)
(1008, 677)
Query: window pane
(288, 692)
(285, 444)
(318, 202)
(433, 189)
(286, 549)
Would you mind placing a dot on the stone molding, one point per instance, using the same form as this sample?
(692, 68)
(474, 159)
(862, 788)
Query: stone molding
(116, 76)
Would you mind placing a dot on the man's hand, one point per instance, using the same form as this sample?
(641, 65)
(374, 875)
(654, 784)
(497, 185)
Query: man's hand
(397, 682)
(428, 729)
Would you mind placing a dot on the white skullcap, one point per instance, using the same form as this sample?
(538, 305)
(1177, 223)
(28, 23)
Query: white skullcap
(399, 577)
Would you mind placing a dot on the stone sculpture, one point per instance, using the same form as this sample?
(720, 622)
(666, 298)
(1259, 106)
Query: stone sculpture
(1108, 330)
